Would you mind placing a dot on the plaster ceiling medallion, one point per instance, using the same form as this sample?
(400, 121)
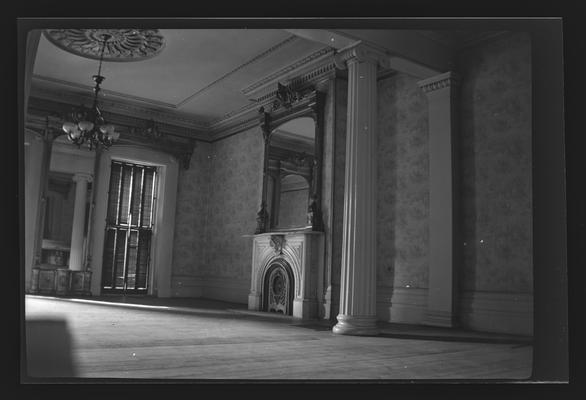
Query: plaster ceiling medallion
(121, 44)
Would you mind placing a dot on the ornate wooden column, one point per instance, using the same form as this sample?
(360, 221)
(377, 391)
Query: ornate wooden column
(357, 314)
(443, 196)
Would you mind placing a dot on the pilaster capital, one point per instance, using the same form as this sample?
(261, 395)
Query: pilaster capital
(361, 52)
(82, 176)
(441, 81)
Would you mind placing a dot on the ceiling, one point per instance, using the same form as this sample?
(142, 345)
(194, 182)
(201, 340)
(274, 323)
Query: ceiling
(200, 72)
(209, 75)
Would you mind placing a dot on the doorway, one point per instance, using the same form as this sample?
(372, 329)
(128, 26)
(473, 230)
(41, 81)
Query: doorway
(129, 228)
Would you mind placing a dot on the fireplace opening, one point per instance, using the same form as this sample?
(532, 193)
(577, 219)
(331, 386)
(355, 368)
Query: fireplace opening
(278, 288)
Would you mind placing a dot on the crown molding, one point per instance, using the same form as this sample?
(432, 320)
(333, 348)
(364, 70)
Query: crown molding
(40, 108)
(45, 81)
(438, 82)
(48, 95)
(51, 93)
(253, 60)
(235, 127)
(49, 127)
(247, 116)
(311, 61)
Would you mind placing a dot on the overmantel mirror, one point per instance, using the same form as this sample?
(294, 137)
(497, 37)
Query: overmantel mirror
(292, 128)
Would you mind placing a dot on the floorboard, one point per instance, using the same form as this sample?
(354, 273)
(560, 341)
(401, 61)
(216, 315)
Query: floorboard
(223, 343)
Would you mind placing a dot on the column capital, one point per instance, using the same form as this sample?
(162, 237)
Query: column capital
(440, 81)
(82, 176)
(361, 52)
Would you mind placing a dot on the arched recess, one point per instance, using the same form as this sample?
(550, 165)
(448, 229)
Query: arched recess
(164, 227)
(278, 286)
(288, 258)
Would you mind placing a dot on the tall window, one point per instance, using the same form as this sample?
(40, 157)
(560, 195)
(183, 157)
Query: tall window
(129, 227)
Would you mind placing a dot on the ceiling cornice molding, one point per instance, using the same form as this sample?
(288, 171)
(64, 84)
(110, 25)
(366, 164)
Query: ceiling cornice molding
(253, 60)
(55, 108)
(46, 123)
(235, 127)
(316, 58)
(117, 106)
(235, 120)
(438, 82)
(52, 82)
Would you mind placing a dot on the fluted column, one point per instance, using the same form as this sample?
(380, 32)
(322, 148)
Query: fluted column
(357, 314)
(77, 231)
(443, 200)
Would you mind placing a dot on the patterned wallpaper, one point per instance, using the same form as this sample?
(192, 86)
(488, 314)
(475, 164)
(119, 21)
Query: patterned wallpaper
(217, 201)
(190, 219)
(235, 193)
(403, 183)
(218, 196)
(496, 165)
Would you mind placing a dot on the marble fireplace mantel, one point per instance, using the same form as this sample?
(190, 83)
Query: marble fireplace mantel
(303, 251)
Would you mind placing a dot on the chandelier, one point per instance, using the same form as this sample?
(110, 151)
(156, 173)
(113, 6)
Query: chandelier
(87, 125)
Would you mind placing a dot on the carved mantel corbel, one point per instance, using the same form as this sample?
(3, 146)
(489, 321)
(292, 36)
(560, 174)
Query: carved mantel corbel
(277, 243)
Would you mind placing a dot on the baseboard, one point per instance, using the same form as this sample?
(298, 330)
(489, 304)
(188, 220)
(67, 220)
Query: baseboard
(186, 286)
(226, 289)
(401, 305)
(510, 313)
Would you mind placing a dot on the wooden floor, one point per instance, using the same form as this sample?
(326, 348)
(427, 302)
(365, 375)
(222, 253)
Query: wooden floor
(205, 340)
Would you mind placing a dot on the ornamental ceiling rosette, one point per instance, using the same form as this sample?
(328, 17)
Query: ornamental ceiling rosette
(121, 44)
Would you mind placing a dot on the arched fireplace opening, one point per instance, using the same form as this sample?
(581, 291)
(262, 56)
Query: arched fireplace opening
(278, 286)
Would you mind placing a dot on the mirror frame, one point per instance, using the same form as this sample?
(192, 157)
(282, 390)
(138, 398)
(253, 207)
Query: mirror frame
(289, 105)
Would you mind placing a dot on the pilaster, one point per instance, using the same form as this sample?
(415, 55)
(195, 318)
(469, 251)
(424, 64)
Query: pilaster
(76, 261)
(443, 199)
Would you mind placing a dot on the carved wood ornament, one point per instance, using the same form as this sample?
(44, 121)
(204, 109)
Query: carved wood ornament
(290, 104)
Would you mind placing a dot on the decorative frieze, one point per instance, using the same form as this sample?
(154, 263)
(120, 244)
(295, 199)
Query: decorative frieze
(132, 131)
(281, 74)
(239, 120)
(44, 93)
(437, 82)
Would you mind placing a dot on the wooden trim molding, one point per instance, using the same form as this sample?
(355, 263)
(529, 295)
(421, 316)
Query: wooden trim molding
(497, 312)
(401, 305)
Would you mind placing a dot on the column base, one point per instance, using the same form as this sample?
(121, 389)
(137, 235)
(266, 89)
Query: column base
(356, 325)
(444, 319)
